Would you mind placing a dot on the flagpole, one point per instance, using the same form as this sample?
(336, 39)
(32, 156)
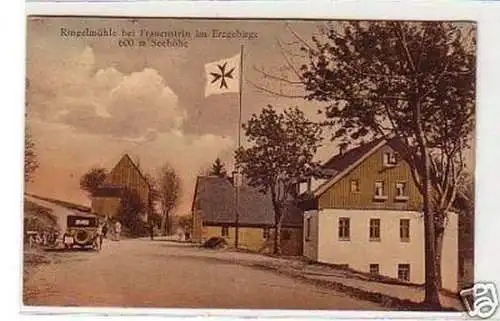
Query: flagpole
(237, 196)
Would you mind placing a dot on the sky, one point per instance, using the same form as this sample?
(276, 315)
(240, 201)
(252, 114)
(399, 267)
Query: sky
(90, 101)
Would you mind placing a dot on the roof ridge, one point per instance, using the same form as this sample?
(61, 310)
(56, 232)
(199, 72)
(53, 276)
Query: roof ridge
(353, 150)
(347, 163)
(217, 201)
(126, 155)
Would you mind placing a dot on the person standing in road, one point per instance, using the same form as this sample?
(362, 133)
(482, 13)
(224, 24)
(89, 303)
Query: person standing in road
(151, 230)
(105, 228)
(99, 236)
(118, 230)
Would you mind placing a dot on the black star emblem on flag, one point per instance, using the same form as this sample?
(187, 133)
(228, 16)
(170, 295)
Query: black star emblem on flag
(222, 75)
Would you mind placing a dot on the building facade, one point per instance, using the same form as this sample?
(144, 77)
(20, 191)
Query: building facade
(125, 175)
(367, 216)
(214, 215)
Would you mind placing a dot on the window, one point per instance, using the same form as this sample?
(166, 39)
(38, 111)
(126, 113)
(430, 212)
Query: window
(374, 269)
(265, 233)
(374, 229)
(286, 235)
(390, 159)
(379, 191)
(404, 272)
(308, 229)
(355, 185)
(404, 230)
(225, 231)
(344, 228)
(343, 266)
(401, 192)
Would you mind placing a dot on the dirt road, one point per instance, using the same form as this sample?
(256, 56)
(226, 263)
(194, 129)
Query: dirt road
(142, 273)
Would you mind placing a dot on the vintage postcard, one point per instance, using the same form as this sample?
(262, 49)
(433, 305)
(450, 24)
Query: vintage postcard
(251, 164)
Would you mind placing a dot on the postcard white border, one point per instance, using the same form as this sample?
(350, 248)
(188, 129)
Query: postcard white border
(487, 15)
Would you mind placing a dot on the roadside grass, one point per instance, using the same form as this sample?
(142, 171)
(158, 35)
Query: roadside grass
(384, 300)
(38, 218)
(32, 259)
(387, 301)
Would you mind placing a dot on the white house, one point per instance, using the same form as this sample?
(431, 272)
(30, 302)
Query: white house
(367, 216)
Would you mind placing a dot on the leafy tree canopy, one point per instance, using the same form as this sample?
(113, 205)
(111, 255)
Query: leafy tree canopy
(92, 179)
(131, 211)
(218, 168)
(280, 153)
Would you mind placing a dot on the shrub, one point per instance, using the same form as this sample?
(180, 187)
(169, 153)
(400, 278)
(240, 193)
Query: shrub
(215, 243)
(130, 214)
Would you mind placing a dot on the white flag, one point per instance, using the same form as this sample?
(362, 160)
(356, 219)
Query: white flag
(223, 76)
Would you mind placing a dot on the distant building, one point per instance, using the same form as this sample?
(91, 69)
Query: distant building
(367, 215)
(125, 175)
(214, 214)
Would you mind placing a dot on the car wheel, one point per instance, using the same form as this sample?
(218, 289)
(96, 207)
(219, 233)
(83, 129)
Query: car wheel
(82, 237)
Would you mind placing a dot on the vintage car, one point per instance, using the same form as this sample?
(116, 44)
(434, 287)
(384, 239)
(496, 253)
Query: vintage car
(82, 231)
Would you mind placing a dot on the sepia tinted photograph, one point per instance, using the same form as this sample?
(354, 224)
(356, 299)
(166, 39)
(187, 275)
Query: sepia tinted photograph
(249, 164)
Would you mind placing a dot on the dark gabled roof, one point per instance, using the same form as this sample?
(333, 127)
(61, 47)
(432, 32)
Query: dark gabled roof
(134, 165)
(342, 161)
(339, 165)
(216, 200)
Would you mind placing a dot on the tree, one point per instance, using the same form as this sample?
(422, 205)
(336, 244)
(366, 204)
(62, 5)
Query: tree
(282, 147)
(466, 191)
(186, 223)
(409, 81)
(130, 212)
(92, 179)
(154, 217)
(169, 187)
(30, 158)
(218, 168)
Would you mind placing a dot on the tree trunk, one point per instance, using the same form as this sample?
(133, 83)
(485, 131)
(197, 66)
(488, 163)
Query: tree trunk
(431, 300)
(439, 235)
(439, 254)
(151, 231)
(168, 224)
(163, 224)
(277, 236)
(278, 215)
(277, 239)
